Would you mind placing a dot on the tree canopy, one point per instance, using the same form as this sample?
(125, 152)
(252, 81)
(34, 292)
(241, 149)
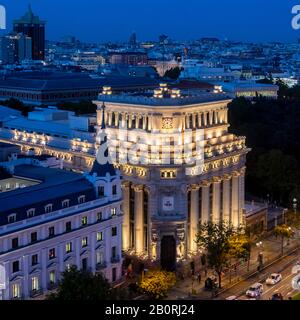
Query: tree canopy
(271, 128)
(84, 286)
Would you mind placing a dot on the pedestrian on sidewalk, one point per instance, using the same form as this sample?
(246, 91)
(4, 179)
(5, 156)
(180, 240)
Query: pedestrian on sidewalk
(205, 272)
(199, 277)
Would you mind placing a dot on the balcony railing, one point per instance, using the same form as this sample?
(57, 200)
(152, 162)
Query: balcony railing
(101, 266)
(36, 293)
(115, 259)
(52, 286)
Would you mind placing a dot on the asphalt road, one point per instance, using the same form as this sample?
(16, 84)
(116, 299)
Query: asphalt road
(283, 266)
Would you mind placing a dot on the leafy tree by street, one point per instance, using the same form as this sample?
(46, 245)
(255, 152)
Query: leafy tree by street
(78, 285)
(217, 241)
(283, 232)
(156, 284)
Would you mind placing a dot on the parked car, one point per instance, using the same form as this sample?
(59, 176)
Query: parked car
(277, 296)
(232, 298)
(274, 278)
(255, 290)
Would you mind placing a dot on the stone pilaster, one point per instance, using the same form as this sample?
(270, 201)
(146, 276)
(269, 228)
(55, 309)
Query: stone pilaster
(194, 218)
(139, 218)
(216, 199)
(205, 202)
(126, 216)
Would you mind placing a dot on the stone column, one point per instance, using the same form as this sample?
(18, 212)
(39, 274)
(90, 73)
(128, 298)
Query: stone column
(25, 283)
(139, 218)
(242, 194)
(205, 119)
(205, 202)
(126, 216)
(194, 120)
(194, 218)
(235, 199)
(199, 120)
(44, 258)
(216, 200)
(226, 198)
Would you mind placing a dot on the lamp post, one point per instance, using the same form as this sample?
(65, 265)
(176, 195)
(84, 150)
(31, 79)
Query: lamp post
(260, 257)
(295, 205)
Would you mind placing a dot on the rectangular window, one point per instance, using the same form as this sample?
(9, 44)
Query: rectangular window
(114, 274)
(34, 260)
(35, 284)
(68, 226)
(84, 242)
(113, 252)
(65, 204)
(101, 192)
(81, 199)
(84, 221)
(99, 236)
(52, 254)
(99, 257)
(114, 231)
(15, 243)
(99, 216)
(30, 213)
(12, 218)
(114, 190)
(16, 291)
(52, 277)
(33, 237)
(69, 247)
(15, 266)
(48, 208)
(51, 232)
(113, 212)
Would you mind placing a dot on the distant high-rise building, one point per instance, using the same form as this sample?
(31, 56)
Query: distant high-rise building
(133, 40)
(24, 47)
(15, 48)
(31, 26)
(8, 49)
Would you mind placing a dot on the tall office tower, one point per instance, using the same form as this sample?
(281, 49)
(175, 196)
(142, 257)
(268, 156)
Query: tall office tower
(155, 140)
(24, 47)
(31, 26)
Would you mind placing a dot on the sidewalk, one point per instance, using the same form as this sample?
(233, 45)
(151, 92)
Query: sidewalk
(271, 249)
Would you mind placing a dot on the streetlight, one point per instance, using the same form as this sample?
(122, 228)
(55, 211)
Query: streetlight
(295, 205)
(260, 257)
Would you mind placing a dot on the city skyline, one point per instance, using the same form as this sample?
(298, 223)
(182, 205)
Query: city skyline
(101, 22)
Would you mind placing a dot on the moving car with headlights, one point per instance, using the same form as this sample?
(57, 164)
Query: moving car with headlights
(274, 278)
(255, 290)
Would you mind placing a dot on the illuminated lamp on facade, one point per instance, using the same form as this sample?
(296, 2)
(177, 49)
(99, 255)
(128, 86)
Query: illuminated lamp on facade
(106, 90)
(218, 89)
(158, 93)
(175, 93)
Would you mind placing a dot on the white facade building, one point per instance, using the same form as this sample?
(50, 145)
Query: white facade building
(58, 220)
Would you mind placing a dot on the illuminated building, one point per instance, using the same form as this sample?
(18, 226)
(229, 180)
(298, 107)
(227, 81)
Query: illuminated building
(164, 203)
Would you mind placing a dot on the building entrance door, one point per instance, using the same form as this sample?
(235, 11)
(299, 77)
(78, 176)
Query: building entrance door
(168, 253)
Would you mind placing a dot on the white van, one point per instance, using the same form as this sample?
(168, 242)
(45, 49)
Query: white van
(255, 290)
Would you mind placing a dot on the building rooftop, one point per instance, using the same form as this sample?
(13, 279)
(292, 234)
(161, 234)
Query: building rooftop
(149, 100)
(29, 17)
(54, 183)
(51, 81)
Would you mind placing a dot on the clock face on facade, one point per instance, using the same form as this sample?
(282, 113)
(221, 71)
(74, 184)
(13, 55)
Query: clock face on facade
(167, 123)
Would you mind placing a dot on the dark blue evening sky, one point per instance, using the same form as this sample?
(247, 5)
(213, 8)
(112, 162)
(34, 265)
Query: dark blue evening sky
(102, 20)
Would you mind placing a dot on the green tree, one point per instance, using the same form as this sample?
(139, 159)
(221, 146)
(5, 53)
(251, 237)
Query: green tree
(80, 108)
(214, 238)
(157, 283)
(83, 286)
(284, 232)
